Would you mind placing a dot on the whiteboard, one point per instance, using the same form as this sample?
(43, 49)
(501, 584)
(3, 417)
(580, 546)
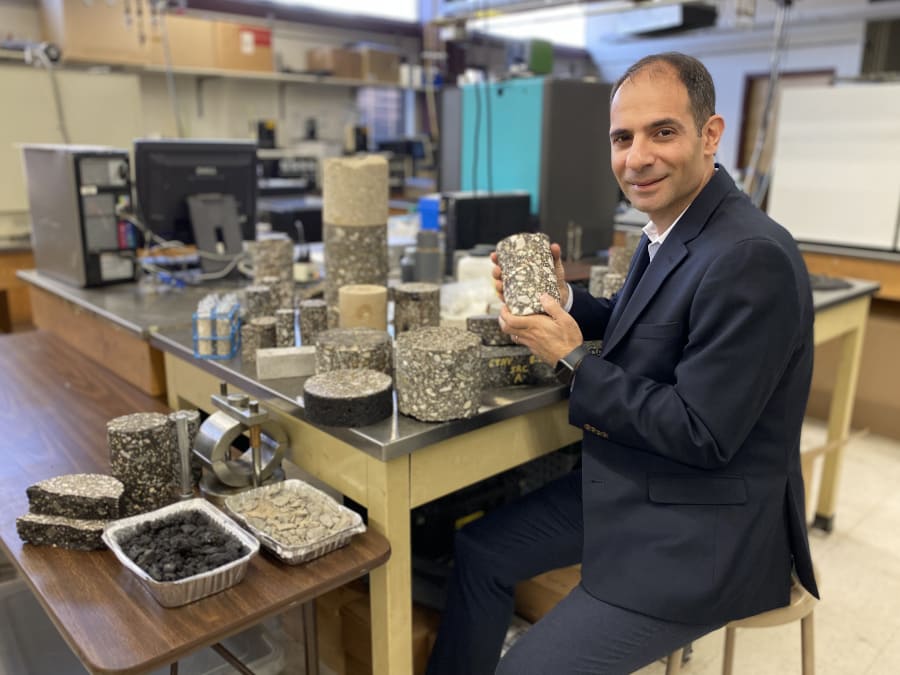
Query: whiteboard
(836, 169)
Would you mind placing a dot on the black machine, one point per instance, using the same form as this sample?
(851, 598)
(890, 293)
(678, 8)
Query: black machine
(168, 172)
(472, 218)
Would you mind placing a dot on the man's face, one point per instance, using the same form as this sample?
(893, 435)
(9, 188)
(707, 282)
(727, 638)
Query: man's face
(660, 161)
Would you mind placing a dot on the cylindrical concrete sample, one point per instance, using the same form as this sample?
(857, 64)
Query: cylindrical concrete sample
(363, 306)
(595, 286)
(527, 268)
(354, 255)
(355, 190)
(313, 320)
(282, 291)
(266, 327)
(618, 260)
(142, 449)
(249, 343)
(438, 374)
(342, 348)
(612, 283)
(284, 328)
(348, 398)
(487, 327)
(259, 300)
(416, 305)
(273, 258)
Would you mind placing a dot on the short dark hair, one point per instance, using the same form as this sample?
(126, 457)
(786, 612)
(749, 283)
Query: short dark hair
(693, 75)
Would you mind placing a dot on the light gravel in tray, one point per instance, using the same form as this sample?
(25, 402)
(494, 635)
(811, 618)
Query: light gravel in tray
(294, 520)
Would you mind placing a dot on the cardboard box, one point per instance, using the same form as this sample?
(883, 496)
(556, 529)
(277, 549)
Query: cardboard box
(379, 65)
(191, 43)
(539, 595)
(95, 32)
(335, 61)
(243, 47)
(357, 637)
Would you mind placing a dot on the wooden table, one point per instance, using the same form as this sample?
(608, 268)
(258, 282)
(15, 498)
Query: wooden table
(55, 405)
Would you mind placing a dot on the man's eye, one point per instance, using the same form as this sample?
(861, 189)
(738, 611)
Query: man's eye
(665, 133)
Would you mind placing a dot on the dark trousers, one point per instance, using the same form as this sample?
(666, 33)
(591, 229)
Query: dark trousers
(540, 532)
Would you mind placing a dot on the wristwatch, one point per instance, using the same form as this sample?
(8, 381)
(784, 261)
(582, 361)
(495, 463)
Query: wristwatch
(567, 365)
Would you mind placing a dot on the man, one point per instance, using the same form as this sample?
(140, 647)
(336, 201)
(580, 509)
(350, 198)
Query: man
(688, 510)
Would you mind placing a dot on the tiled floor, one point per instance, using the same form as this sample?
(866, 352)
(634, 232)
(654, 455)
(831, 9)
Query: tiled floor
(857, 622)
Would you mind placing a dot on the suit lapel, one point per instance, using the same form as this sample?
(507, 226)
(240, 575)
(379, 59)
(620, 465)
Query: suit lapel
(664, 262)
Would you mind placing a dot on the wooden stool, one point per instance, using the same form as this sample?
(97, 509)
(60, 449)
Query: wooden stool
(800, 607)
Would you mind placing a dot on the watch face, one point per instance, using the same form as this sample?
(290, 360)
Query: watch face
(564, 371)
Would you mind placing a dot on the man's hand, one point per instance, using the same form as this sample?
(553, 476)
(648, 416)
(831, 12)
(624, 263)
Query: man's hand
(556, 252)
(549, 336)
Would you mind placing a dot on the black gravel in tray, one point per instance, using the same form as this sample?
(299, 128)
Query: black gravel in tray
(181, 546)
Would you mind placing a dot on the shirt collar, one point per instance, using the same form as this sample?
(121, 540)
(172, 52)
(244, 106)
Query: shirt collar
(653, 234)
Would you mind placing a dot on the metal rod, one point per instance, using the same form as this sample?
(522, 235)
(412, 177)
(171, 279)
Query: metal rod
(310, 638)
(184, 454)
(232, 660)
(256, 446)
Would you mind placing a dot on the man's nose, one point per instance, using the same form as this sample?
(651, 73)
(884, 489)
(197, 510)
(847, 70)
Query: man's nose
(639, 154)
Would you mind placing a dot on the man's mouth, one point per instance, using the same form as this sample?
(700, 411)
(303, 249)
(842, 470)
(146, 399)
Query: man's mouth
(642, 185)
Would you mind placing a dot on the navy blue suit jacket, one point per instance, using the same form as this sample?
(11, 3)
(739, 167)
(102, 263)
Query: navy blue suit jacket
(692, 491)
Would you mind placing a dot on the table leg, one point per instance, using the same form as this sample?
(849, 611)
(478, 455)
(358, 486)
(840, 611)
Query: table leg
(839, 416)
(5, 315)
(391, 584)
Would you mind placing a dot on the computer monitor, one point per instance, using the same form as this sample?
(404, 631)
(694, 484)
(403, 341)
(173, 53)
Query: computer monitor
(167, 172)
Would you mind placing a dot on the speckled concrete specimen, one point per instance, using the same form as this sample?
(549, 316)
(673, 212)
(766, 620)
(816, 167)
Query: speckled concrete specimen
(416, 305)
(280, 362)
(342, 348)
(354, 254)
(618, 260)
(438, 373)
(313, 320)
(527, 267)
(348, 398)
(259, 300)
(141, 451)
(363, 306)
(595, 286)
(505, 366)
(355, 190)
(487, 327)
(282, 292)
(73, 533)
(612, 282)
(284, 328)
(266, 329)
(193, 420)
(273, 258)
(92, 496)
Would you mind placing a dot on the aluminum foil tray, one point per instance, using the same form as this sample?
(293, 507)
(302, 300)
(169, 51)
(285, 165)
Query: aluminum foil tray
(189, 589)
(261, 509)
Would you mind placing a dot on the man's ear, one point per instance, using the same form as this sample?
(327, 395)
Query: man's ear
(712, 134)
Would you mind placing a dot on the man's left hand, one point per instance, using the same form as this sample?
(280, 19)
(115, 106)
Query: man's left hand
(549, 336)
